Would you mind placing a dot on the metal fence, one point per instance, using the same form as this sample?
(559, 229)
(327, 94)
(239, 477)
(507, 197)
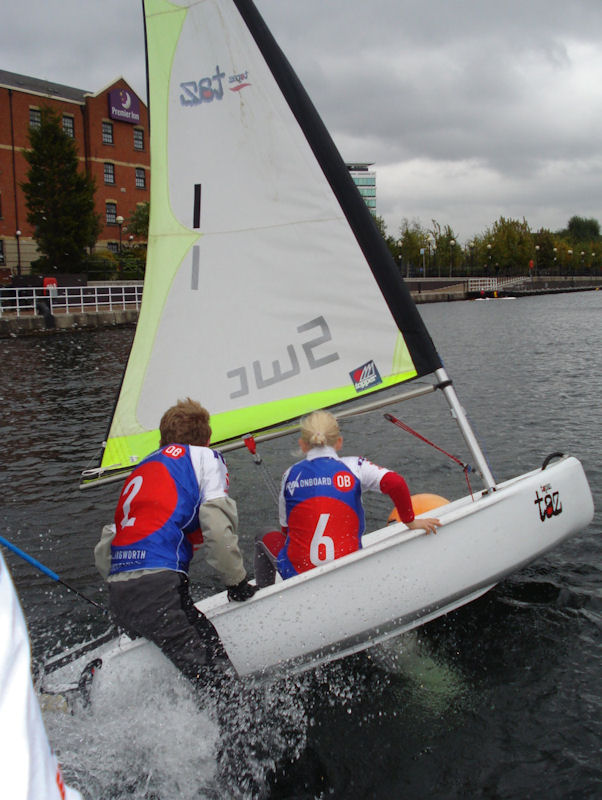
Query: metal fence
(491, 284)
(69, 299)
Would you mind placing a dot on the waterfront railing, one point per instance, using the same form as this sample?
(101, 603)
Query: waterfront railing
(492, 284)
(29, 300)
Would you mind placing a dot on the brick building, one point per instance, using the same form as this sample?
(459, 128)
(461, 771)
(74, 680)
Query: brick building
(110, 129)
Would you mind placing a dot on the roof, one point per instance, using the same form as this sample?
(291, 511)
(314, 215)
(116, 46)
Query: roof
(359, 166)
(24, 83)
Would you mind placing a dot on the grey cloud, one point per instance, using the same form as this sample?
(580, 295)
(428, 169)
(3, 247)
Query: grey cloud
(503, 94)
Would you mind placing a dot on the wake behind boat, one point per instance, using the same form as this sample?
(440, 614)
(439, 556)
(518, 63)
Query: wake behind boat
(254, 215)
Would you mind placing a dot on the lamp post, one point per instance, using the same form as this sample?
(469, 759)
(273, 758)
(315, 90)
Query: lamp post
(555, 250)
(18, 238)
(489, 257)
(119, 220)
(536, 254)
(451, 256)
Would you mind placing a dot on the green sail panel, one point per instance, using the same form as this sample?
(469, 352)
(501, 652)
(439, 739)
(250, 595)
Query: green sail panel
(269, 290)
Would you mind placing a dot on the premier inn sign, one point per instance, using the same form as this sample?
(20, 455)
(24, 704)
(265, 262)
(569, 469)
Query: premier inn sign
(124, 106)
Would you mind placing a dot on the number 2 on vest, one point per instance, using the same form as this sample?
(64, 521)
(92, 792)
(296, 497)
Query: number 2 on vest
(325, 541)
(133, 488)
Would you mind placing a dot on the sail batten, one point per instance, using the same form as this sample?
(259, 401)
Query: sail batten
(269, 290)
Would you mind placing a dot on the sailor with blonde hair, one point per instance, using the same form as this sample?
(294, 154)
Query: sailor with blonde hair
(321, 510)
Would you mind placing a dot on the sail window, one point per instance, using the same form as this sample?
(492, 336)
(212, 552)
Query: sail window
(196, 209)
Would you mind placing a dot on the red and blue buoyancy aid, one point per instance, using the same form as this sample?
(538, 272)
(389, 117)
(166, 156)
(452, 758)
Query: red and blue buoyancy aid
(324, 512)
(156, 518)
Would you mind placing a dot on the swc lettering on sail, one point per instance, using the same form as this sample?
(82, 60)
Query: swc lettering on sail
(211, 88)
(259, 374)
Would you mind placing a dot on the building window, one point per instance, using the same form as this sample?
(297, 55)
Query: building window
(35, 117)
(112, 247)
(111, 213)
(138, 139)
(140, 178)
(1, 251)
(367, 191)
(109, 174)
(68, 126)
(107, 133)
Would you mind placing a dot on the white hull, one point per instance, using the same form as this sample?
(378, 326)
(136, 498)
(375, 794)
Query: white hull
(398, 581)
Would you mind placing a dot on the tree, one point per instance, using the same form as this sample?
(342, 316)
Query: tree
(59, 198)
(580, 229)
(510, 247)
(446, 252)
(413, 244)
(546, 250)
(138, 222)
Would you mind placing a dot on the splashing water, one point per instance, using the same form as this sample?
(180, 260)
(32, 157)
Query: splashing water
(149, 739)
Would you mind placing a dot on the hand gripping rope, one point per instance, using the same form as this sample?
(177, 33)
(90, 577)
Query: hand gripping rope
(465, 467)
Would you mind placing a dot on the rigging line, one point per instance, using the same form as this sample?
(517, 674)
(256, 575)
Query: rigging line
(38, 565)
(251, 446)
(466, 468)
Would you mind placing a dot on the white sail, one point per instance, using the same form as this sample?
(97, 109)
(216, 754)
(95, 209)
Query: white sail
(259, 300)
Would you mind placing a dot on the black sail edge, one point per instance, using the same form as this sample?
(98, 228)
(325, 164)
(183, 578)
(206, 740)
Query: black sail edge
(386, 272)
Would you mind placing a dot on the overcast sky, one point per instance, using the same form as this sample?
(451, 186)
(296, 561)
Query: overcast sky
(470, 109)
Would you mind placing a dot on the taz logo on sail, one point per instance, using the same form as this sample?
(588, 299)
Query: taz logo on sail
(205, 90)
(365, 376)
(548, 503)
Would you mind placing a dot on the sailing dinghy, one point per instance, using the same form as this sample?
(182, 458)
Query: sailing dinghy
(255, 218)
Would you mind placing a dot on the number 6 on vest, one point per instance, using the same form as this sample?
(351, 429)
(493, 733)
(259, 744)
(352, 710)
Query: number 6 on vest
(319, 539)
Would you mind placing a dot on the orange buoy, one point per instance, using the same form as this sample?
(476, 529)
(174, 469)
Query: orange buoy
(421, 503)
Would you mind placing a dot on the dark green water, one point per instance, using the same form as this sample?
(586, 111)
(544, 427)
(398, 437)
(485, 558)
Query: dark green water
(501, 699)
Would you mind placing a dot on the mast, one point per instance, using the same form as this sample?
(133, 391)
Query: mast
(449, 392)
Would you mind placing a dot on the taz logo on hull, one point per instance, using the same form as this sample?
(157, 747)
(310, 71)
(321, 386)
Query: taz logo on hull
(365, 377)
(548, 503)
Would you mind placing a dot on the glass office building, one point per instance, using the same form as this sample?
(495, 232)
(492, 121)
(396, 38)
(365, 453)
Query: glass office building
(365, 180)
